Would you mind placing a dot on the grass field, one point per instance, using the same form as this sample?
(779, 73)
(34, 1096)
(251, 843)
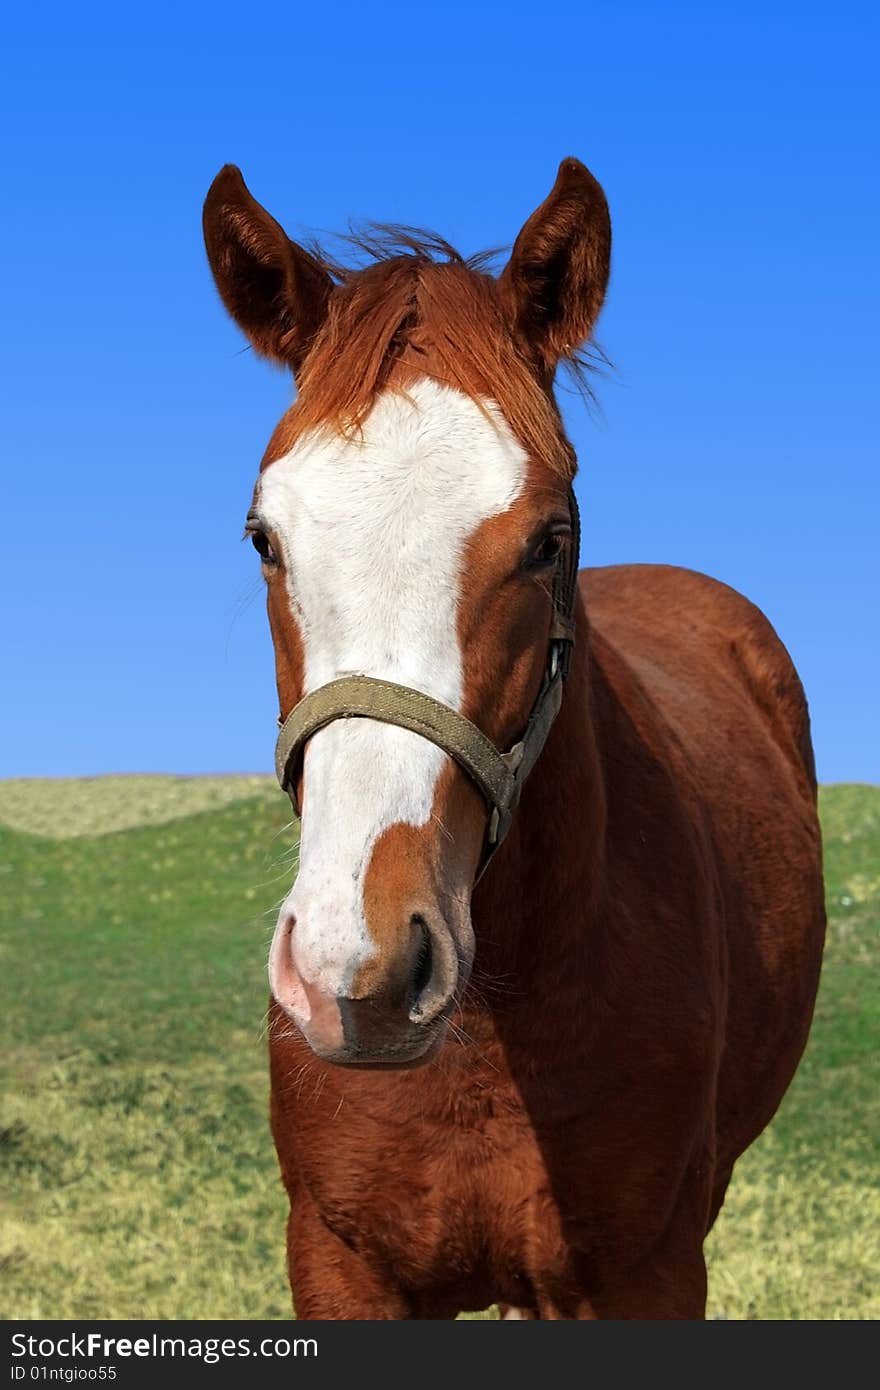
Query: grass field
(138, 1176)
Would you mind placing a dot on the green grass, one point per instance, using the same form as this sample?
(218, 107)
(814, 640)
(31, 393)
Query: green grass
(138, 1173)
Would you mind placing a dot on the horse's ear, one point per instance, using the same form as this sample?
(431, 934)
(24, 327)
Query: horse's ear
(276, 292)
(554, 283)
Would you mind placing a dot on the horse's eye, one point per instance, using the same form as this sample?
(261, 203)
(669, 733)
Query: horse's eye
(547, 552)
(263, 547)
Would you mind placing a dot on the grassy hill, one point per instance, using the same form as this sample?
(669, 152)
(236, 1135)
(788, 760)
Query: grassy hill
(137, 1166)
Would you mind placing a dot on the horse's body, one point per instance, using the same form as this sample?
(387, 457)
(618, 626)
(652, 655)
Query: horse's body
(662, 887)
(556, 1131)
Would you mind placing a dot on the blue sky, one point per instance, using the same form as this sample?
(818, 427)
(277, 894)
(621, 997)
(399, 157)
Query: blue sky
(737, 434)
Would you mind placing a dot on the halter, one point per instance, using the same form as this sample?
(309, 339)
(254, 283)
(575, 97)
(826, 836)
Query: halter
(499, 776)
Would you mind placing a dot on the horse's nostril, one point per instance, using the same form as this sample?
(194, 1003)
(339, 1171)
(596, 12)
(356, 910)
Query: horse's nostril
(435, 971)
(424, 959)
(284, 978)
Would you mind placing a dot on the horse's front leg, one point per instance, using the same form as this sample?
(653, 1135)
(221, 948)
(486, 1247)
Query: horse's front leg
(667, 1285)
(330, 1280)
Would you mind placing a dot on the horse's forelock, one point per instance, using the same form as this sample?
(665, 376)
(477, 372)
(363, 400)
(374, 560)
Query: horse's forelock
(417, 308)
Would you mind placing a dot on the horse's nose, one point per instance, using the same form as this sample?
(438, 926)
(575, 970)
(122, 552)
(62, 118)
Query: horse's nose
(392, 1014)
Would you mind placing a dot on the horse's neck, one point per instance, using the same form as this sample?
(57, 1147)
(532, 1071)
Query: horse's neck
(534, 911)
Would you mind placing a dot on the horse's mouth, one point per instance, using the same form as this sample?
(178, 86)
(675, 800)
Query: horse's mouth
(381, 1047)
(374, 1049)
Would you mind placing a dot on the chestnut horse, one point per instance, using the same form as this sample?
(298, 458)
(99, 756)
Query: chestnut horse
(530, 1089)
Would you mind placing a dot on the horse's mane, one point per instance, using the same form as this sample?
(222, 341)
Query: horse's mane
(406, 303)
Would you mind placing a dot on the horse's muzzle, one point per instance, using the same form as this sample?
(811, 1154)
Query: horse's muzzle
(397, 1021)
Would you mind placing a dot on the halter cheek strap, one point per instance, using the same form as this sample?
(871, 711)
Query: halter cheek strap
(499, 776)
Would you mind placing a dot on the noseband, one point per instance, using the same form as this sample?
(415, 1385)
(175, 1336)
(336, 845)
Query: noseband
(499, 776)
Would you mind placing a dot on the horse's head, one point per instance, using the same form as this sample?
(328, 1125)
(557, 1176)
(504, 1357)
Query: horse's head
(412, 515)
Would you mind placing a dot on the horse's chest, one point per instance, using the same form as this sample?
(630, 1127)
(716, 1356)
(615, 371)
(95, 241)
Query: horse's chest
(461, 1198)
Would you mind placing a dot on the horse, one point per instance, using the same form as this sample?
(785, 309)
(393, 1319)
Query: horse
(550, 958)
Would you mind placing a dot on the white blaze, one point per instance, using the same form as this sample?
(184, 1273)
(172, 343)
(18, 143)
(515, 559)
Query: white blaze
(373, 531)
